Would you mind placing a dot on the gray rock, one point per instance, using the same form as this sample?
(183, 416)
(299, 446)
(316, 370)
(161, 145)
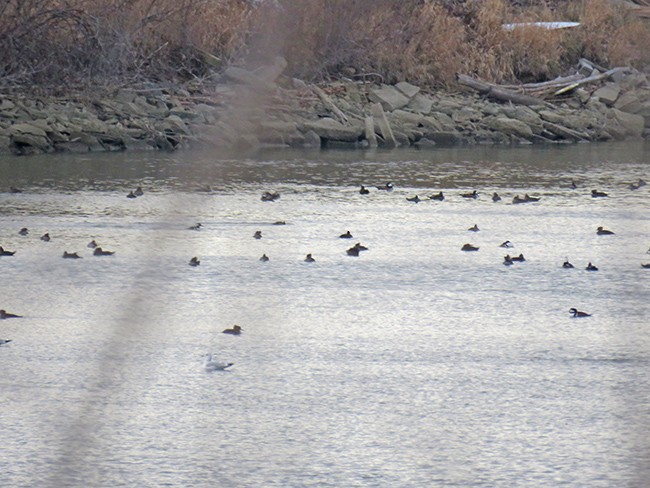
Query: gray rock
(633, 124)
(312, 139)
(565, 132)
(382, 123)
(628, 102)
(389, 97)
(27, 129)
(406, 118)
(175, 124)
(330, 129)
(444, 120)
(445, 138)
(407, 89)
(6, 105)
(421, 104)
(607, 93)
(465, 115)
(509, 126)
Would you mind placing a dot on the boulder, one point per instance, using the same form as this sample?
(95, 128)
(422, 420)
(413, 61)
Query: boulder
(330, 129)
(385, 129)
(628, 102)
(30, 135)
(607, 93)
(389, 97)
(407, 89)
(633, 124)
(444, 138)
(509, 126)
(421, 104)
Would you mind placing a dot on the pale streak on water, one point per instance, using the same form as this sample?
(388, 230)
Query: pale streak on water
(413, 365)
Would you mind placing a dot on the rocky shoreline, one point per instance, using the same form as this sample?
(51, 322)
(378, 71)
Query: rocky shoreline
(261, 108)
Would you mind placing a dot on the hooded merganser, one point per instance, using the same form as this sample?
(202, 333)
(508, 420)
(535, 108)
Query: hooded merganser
(495, 197)
(469, 247)
(347, 235)
(279, 222)
(528, 198)
(518, 199)
(4, 341)
(473, 194)
(415, 199)
(506, 244)
(131, 195)
(138, 192)
(6, 315)
(194, 261)
(309, 258)
(519, 258)
(235, 330)
(92, 244)
(100, 252)
(573, 185)
(646, 266)
(258, 234)
(4, 252)
(196, 226)
(591, 267)
(438, 196)
(387, 187)
(364, 190)
(353, 251)
(267, 196)
(576, 313)
(597, 194)
(70, 255)
(360, 247)
(23, 231)
(603, 232)
(507, 260)
(264, 258)
(45, 237)
(474, 228)
(566, 264)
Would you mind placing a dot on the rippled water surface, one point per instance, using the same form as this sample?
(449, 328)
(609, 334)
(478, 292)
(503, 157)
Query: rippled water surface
(414, 364)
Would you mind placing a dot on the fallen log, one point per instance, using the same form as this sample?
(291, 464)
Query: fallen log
(591, 79)
(498, 93)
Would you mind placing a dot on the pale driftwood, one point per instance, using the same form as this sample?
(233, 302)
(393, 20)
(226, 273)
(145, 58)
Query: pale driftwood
(330, 105)
(591, 79)
(384, 126)
(371, 137)
(498, 93)
(559, 81)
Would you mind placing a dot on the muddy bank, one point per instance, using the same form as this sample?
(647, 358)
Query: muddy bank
(263, 108)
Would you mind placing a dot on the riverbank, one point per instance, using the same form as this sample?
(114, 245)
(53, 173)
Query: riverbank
(261, 108)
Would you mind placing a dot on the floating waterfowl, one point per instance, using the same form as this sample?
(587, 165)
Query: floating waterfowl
(438, 196)
(507, 260)
(646, 266)
(235, 330)
(23, 231)
(473, 194)
(279, 222)
(4, 252)
(45, 237)
(196, 226)
(100, 252)
(131, 195)
(387, 187)
(6, 315)
(71, 255)
(519, 258)
(415, 199)
(214, 365)
(138, 192)
(474, 228)
(469, 247)
(603, 232)
(347, 235)
(591, 267)
(258, 234)
(517, 199)
(641, 182)
(13, 189)
(573, 185)
(576, 313)
(92, 244)
(364, 190)
(4, 341)
(528, 198)
(495, 197)
(269, 196)
(360, 247)
(264, 258)
(598, 194)
(506, 244)
(309, 258)
(353, 251)
(566, 264)
(194, 261)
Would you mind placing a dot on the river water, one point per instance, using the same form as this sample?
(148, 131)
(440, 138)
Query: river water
(413, 364)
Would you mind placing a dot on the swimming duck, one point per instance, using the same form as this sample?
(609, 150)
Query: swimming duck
(194, 261)
(528, 198)
(360, 247)
(573, 185)
(6, 315)
(214, 365)
(603, 232)
(597, 194)
(364, 190)
(518, 199)
(347, 235)
(267, 196)
(309, 258)
(576, 313)
(519, 258)
(196, 226)
(495, 197)
(138, 192)
(45, 237)
(387, 187)
(13, 189)
(258, 234)
(469, 247)
(23, 231)
(4, 252)
(131, 195)
(438, 196)
(92, 244)
(473, 194)
(415, 199)
(646, 266)
(100, 252)
(4, 341)
(70, 255)
(279, 222)
(566, 264)
(507, 260)
(264, 258)
(474, 228)
(506, 244)
(591, 267)
(353, 251)
(235, 330)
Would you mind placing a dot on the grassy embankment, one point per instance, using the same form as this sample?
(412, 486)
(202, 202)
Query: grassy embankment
(86, 42)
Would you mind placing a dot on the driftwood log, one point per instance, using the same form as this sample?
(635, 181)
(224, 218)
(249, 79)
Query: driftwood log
(498, 93)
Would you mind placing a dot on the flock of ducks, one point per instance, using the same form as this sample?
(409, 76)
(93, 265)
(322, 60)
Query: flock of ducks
(213, 365)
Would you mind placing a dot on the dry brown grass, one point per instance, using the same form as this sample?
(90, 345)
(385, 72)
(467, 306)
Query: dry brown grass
(423, 41)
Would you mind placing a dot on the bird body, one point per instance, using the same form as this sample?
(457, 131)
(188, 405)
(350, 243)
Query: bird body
(100, 252)
(576, 313)
(6, 315)
(194, 261)
(234, 330)
(70, 255)
(603, 232)
(214, 365)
